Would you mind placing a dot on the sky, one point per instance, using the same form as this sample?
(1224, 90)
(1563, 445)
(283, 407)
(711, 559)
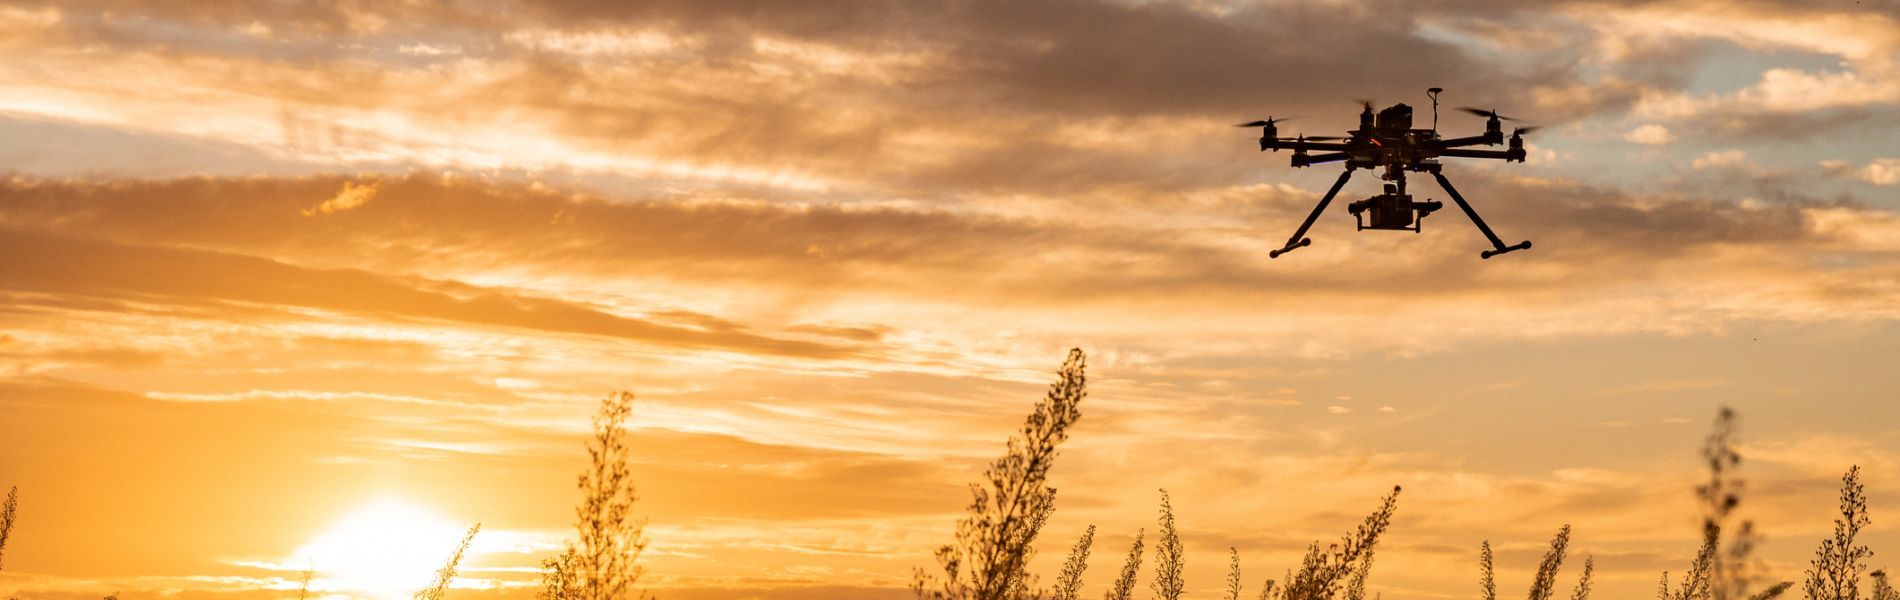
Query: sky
(293, 285)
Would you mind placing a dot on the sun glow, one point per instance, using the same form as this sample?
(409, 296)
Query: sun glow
(387, 548)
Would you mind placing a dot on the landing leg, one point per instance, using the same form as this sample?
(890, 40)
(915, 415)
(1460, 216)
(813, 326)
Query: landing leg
(1496, 243)
(1299, 238)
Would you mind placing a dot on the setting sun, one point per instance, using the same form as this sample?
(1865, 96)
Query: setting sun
(385, 548)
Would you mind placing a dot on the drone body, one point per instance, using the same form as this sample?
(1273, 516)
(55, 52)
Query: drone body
(1386, 140)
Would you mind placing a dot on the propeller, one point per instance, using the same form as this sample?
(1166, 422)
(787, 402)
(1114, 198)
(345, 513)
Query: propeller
(1269, 121)
(1366, 102)
(1323, 138)
(1485, 113)
(1525, 129)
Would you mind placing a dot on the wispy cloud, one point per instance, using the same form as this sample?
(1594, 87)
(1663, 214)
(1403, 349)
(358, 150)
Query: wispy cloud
(351, 196)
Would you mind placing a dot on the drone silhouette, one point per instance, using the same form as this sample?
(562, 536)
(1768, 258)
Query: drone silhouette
(1388, 140)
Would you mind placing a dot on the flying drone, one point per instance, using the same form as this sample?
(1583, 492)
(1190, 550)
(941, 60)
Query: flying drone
(1387, 140)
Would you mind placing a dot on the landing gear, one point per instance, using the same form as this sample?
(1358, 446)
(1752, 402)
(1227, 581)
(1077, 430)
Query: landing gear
(1395, 210)
(1498, 246)
(1299, 239)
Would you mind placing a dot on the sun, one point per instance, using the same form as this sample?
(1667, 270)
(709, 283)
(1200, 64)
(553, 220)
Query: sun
(384, 548)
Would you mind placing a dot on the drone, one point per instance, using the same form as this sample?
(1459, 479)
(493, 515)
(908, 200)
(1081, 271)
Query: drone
(1387, 140)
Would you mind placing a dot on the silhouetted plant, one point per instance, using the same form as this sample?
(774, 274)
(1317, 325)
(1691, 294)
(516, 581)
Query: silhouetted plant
(1487, 583)
(1124, 587)
(1883, 590)
(604, 562)
(1695, 583)
(1268, 591)
(1834, 574)
(303, 588)
(1169, 562)
(1544, 581)
(439, 589)
(1021, 581)
(1773, 591)
(995, 541)
(8, 513)
(1583, 583)
(1730, 569)
(1717, 573)
(1544, 584)
(1069, 582)
(1233, 573)
(1322, 572)
(1356, 590)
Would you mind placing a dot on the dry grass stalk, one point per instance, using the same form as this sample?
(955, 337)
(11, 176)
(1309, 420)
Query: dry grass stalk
(994, 542)
(1882, 589)
(1774, 591)
(1322, 572)
(1124, 587)
(1544, 585)
(1729, 570)
(1020, 579)
(1834, 574)
(1356, 589)
(1069, 582)
(1169, 561)
(1695, 583)
(1268, 591)
(1718, 573)
(1583, 582)
(439, 589)
(8, 512)
(1487, 583)
(303, 588)
(1233, 573)
(604, 563)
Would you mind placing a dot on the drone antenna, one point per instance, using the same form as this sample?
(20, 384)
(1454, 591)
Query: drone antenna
(1433, 92)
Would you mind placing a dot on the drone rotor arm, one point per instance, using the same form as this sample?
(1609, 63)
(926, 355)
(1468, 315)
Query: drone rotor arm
(1476, 140)
(1301, 160)
(1509, 155)
(1294, 144)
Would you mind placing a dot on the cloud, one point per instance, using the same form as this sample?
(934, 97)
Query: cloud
(755, 96)
(1103, 260)
(1879, 171)
(1649, 134)
(350, 197)
(1721, 159)
(90, 268)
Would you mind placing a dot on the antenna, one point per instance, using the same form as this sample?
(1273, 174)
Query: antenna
(1433, 92)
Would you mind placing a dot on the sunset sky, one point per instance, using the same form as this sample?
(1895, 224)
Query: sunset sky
(290, 285)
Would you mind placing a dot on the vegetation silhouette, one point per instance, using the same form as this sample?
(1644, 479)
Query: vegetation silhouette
(1233, 573)
(989, 557)
(1838, 563)
(7, 516)
(602, 563)
(303, 587)
(994, 541)
(1131, 568)
(1069, 582)
(1170, 561)
(439, 589)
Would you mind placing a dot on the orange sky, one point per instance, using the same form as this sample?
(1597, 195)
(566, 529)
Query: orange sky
(275, 277)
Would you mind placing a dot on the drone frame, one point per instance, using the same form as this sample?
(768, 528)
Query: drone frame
(1398, 150)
